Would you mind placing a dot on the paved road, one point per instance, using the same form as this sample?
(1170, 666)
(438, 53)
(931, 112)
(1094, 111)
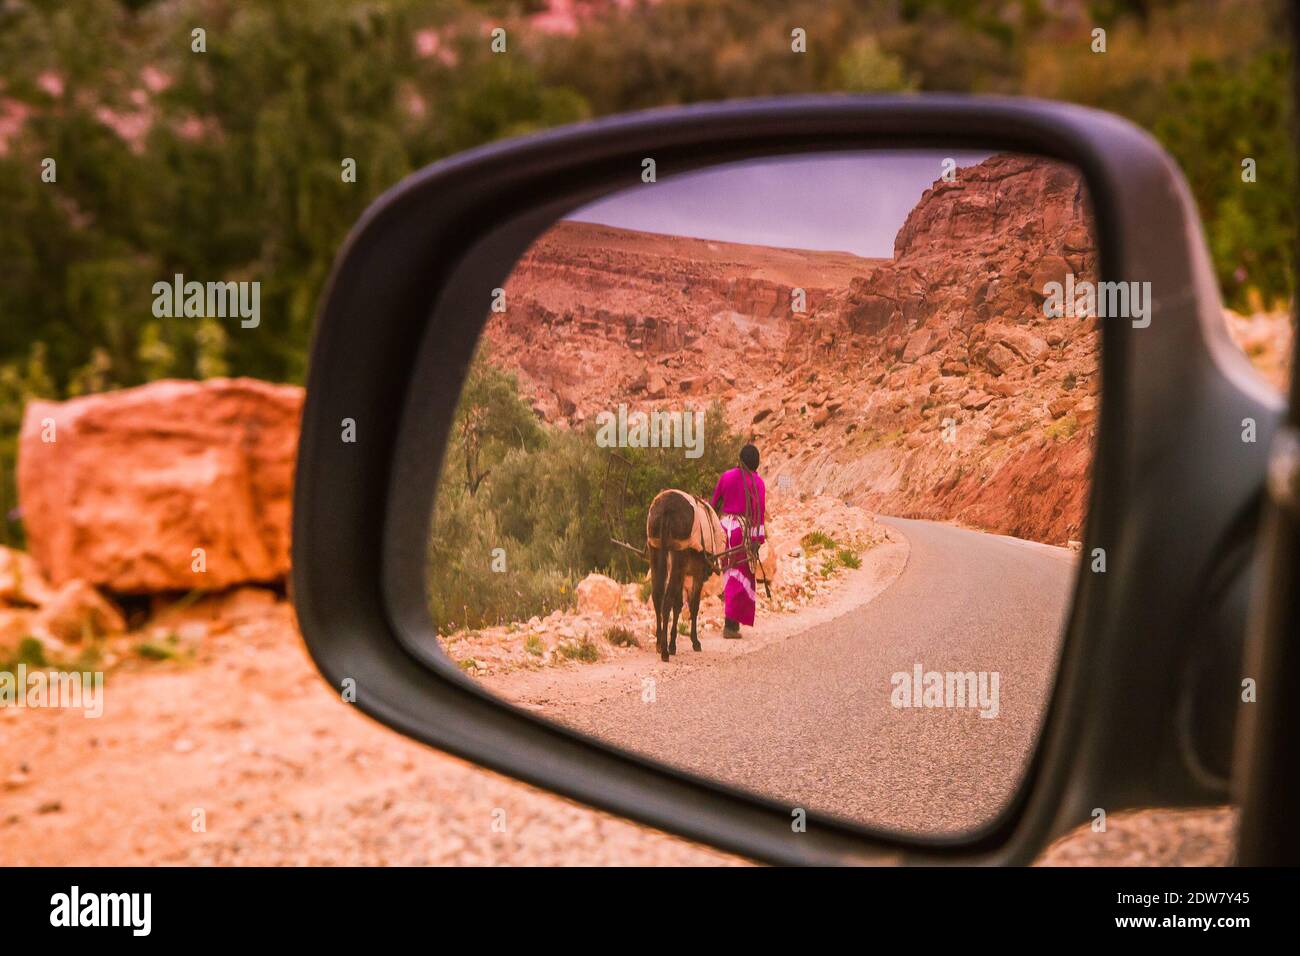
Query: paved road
(809, 720)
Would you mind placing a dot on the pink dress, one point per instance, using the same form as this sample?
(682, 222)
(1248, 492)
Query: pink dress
(739, 592)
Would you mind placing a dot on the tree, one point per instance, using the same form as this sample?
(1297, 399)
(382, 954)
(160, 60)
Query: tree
(490, 420)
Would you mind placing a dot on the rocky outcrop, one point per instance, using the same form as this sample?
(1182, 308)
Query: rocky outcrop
(175, 485)
(970, 264)
(978, 407)
(591, 309)
(928, 384)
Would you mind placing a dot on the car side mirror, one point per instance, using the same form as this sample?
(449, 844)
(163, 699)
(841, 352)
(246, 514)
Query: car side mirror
(1133, 717)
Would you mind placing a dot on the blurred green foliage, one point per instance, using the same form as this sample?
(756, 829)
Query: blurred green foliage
(1250, 226)
(226, 164)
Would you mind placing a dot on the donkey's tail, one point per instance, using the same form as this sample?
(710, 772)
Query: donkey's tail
(654, 521)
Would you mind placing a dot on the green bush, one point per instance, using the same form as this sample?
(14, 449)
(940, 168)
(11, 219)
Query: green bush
(1218, 115)
(1062, 428)
(584, 650)
(168, 649)
(816, 541)
(621, 636)
(31, 653)
(518, 519)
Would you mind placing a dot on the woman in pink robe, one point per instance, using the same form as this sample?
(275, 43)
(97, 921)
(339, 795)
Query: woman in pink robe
(740, 494)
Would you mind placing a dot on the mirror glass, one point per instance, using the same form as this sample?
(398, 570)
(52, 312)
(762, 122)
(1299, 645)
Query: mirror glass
(834, 413)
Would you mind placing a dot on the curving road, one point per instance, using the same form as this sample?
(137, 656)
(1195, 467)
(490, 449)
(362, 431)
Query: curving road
(809, 720)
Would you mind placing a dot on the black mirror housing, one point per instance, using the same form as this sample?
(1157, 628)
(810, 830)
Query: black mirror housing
(397, 329)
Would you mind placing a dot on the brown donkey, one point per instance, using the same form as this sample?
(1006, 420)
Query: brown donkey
(682, 532)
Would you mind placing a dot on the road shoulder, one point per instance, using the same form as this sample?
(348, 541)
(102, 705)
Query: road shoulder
(552, 691)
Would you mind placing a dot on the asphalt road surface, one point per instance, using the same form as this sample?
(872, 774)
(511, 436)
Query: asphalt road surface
(812, 720)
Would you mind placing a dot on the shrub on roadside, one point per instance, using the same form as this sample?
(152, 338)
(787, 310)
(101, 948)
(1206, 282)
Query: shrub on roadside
(816, 541)
(621, 636)
(583, 650)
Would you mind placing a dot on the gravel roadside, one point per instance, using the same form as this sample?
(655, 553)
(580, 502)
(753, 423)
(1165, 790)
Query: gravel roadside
(242, 756)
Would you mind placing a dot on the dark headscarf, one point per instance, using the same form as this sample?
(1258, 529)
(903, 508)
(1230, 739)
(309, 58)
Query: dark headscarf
(749, 457)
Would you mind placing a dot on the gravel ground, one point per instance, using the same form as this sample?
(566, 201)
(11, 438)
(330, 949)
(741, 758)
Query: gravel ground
(1150, 838)
(243, 756)
(247, 741)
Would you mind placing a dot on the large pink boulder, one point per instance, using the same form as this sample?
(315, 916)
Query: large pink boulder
(174, 485)
(598, 594)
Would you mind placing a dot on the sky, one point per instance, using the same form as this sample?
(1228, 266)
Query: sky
(843, 202)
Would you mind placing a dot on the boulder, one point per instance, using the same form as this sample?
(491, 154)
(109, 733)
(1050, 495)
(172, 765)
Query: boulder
(1060, 405)
(918, 343)
(78, 610)
(1025, 344)
(1050, 268)
(1086, 410)
(21, 581)
(999, 359)
(656, 386)
(598, 594)
(120, 489)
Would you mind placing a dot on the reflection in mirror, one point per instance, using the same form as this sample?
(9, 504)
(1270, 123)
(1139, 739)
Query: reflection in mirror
(776, 472)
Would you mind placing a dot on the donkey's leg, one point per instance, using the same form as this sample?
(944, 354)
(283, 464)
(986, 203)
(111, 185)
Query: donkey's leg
(674, 596)
(658, 592)
(697, 587)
